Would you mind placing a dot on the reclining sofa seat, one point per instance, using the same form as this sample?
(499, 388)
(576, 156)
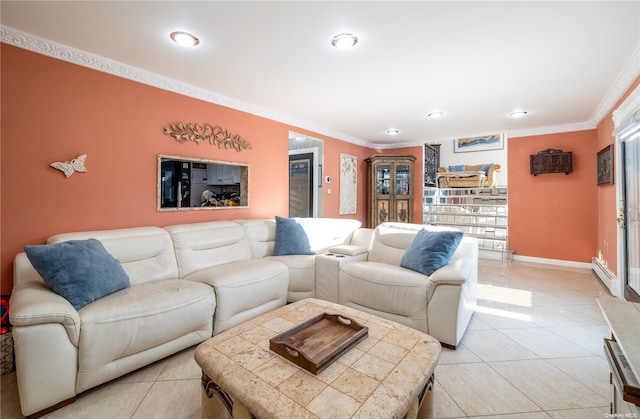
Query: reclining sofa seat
(61, 352)
(440, 305)
(218, 253)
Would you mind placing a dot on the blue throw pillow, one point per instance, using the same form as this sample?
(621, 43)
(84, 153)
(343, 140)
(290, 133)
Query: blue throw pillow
(485, 168)
(290, 238)
(431, 250)
(81, 271)
(457, 168)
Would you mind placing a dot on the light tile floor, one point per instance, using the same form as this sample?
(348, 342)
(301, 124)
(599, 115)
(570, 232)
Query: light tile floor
(533, 350)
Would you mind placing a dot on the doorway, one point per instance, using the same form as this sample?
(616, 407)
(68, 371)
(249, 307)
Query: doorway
(306, 157)
(301, 181)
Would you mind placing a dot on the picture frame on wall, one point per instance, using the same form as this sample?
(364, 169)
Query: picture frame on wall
(480, 143)
(604, 166)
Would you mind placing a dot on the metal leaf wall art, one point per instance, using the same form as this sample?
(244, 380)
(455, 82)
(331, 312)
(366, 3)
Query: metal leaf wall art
(214, 134)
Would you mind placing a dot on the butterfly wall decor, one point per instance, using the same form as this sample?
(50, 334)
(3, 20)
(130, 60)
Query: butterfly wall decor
(69, 167)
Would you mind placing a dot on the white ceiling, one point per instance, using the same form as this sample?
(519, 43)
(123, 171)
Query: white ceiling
(564, 62)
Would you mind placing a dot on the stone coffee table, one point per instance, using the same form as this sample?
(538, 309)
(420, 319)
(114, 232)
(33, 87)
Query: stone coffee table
(389, 374)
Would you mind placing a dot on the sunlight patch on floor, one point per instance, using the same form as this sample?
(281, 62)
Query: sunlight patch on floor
(505, 295)
(504, 313)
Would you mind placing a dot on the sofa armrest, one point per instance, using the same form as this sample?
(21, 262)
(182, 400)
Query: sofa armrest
(348, 250)
(457, 272)
(33, 303)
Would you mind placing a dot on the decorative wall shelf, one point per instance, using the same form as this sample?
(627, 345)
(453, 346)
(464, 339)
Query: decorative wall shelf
(551, 161)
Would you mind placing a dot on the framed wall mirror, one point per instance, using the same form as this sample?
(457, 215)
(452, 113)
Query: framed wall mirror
(186, 183)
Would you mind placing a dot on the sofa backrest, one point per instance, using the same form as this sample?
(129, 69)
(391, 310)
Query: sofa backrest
(390, 240)
(200, 246)
(322, 233)
(261, 235)
(145, 253)
(362, 237)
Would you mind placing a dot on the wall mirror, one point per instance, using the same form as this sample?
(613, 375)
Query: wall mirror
(186, 183)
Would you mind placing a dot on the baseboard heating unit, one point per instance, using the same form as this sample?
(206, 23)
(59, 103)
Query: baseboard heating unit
(605, 275)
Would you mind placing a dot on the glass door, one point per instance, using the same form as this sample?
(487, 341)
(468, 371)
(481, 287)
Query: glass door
(402, 179)
(631, 192)
(402, 193)
(383, 190)
(301, 185)
(383, 179)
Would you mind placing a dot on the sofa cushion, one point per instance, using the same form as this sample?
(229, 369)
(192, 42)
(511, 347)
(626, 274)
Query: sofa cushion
(145, 253)
(485, 168)
(203, 245)
(291, 238)
(81, 271)
(430, 250)
(457, 168)
(383, 288)
(244, 289)
(134, 320)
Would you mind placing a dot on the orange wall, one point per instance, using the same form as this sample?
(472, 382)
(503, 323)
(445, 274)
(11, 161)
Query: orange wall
(554, 216)
(607, 240)
(54, 111)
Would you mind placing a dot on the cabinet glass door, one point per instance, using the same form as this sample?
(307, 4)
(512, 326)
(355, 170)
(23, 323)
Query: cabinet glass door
(402, 179)
(383, 179)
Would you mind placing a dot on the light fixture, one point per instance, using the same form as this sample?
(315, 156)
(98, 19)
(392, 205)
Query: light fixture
(344, 40)
(435, 115)
(518, 114)
(184, 39)
(392, 131)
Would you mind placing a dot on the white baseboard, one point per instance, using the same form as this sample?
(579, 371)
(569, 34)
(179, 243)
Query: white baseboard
(557, 262)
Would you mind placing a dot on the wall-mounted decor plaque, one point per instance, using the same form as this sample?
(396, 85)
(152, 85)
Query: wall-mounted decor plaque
(551, 161)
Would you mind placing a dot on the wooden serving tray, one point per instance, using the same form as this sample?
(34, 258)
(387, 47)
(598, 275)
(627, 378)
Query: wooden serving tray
(318, 342)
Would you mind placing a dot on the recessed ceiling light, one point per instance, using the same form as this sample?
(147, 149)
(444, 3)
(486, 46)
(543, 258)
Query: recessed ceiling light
(518, 114)
(184, 39)
(392, 131)
(344, 40)
(436, 114)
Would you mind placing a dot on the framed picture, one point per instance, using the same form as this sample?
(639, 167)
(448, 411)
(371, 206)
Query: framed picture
(604, 165)
(481, 143)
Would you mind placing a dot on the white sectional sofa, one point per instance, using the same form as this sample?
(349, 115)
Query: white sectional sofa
(192, 281)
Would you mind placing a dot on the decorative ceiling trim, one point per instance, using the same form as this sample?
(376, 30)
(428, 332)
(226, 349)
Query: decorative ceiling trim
(626, 77)
(555, 129)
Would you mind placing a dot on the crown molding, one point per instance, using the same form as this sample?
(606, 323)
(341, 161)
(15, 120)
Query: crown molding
(554, 129)
(62, 52)
(626, 77)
